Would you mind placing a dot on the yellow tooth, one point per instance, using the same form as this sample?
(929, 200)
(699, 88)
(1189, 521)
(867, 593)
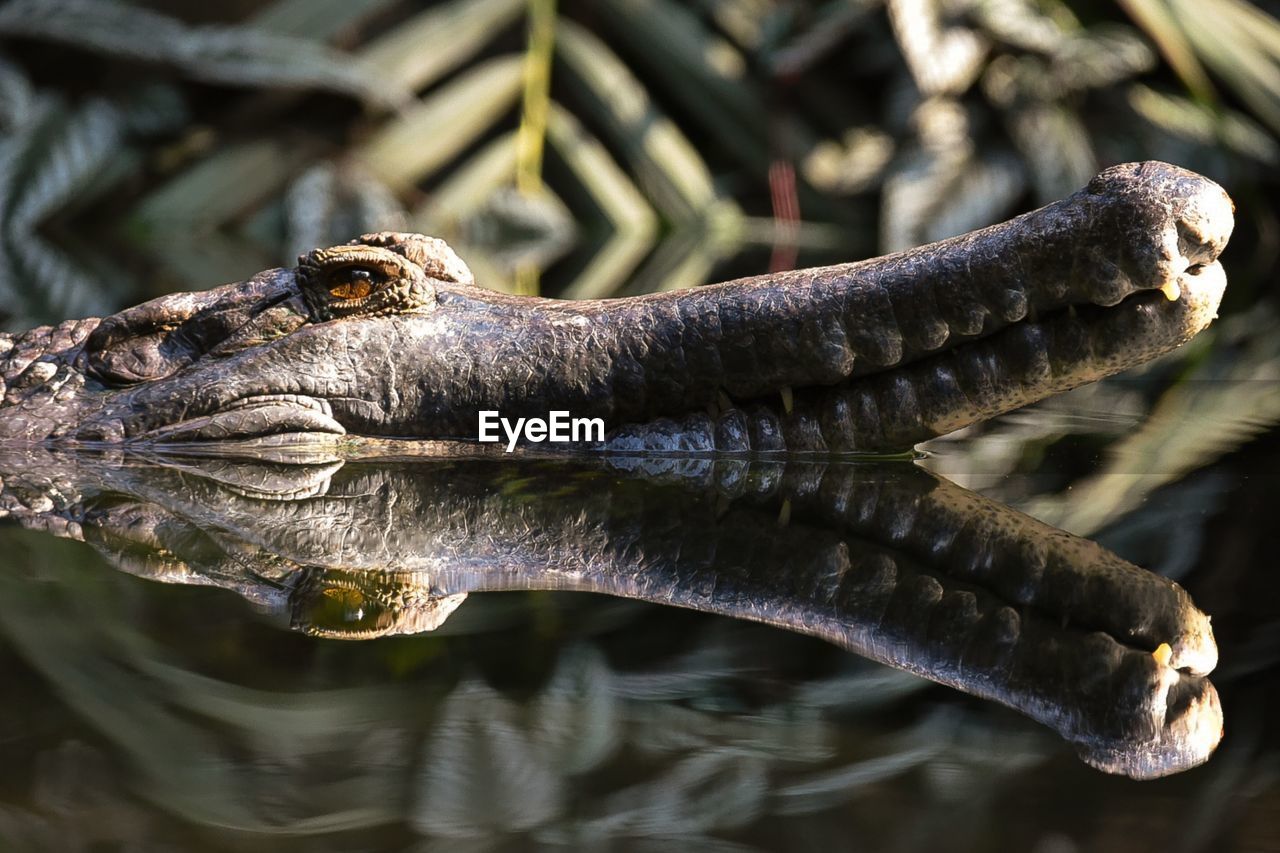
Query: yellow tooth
(784, 515)
(1163, 654)
(723, 399)
(1171, 291)
(787, 400)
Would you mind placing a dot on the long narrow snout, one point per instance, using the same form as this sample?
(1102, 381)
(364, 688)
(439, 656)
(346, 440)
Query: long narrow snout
(389, 337)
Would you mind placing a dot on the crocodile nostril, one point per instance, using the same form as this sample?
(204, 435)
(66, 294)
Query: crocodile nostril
(1205, 224)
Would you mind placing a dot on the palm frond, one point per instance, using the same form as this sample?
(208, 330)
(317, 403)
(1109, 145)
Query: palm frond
(820, 791)
(714, 789)
(482, 776)
(63, 287)
(1230, 397)
(70, 156)
(435, 130)
(695, 67)
(1182, 118)
(577, 718)
(1239, 43)
(16, 96)
(220, 54)
(1028, 25)
(1100, 57)
(632, 221)
(321, 20)
(921, 175)
(456, 32)
(1155, 18)
(667, 165)
(329, 204)
(49, 156)
(227, 185)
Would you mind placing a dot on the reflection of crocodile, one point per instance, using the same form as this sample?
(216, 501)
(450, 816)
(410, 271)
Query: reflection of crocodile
(887, 561)
(388, 337)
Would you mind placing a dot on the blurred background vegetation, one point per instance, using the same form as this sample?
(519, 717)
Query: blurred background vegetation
(599, 148)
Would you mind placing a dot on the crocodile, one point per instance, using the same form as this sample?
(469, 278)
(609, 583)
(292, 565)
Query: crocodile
(885, 560)
(389, 337)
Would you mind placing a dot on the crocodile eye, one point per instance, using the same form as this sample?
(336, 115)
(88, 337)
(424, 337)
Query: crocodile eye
(361, 281)
(354, 282)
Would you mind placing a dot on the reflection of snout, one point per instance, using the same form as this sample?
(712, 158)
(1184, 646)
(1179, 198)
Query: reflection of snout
(1180, 729)
(1194, 718)
(886, 561)
(1125, 709)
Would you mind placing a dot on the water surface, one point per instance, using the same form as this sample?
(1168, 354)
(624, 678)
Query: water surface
(221, 709)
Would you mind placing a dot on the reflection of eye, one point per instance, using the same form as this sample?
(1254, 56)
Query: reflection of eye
(353, 283)
(349, 603)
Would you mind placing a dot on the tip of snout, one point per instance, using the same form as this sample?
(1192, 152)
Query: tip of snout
(1202, 287)
(1186, 730)
(1196, 651)
(1192, 729)
(1203, 214)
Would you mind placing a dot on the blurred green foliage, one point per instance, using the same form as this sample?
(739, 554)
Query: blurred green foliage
(177, 145)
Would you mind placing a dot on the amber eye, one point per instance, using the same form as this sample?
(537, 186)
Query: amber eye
(353, 283)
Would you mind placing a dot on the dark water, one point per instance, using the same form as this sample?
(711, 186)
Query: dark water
(219, 709)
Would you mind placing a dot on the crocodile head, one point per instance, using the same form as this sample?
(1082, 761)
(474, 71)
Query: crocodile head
(388, 336)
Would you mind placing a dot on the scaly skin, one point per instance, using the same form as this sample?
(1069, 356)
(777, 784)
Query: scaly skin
(388, 337)
(886, 560)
